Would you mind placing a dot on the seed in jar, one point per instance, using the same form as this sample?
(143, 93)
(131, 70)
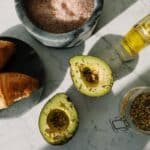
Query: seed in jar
(140, 111)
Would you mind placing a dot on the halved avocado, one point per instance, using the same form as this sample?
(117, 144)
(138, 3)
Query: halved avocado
(91, 75)
(58, 120)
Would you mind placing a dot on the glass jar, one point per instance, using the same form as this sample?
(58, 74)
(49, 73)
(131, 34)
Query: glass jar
(124, 121)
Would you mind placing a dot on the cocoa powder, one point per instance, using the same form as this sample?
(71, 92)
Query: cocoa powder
(59, 16)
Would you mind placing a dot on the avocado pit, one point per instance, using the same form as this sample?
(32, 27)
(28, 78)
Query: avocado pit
(57, 120)
(90, 75)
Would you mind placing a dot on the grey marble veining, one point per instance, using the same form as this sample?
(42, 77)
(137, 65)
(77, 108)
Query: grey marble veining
(19, 129)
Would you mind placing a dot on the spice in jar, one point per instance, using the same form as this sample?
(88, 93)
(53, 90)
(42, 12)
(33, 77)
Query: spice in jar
(140, 111)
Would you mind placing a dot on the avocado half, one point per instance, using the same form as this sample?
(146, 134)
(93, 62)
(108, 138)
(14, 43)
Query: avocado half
(91, 75)
(58, 120)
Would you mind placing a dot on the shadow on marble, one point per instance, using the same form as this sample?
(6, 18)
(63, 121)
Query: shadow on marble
(105, 49)
(61, 147)
(112, 9)
(94, 128)
(55, 64)
(95, 132)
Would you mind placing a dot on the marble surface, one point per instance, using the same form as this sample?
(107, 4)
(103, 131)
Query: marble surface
(19, 124)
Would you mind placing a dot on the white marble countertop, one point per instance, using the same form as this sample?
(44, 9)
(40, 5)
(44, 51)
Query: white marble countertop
(19, 124)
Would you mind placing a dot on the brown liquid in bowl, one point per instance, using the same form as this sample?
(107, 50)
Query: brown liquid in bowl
(59, 16)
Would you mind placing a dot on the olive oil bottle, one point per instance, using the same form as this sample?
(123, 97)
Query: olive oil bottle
(136, 39)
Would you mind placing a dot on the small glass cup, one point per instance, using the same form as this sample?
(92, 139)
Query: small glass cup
(124, 121)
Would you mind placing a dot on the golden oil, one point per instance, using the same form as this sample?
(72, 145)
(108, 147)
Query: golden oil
(138, 37)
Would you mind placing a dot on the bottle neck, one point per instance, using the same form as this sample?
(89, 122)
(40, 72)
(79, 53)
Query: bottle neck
(124, 54)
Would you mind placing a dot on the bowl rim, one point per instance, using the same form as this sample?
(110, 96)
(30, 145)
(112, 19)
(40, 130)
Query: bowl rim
(36, 31)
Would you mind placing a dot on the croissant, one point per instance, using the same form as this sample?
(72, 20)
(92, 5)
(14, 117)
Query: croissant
(14, 87)
(7, 49)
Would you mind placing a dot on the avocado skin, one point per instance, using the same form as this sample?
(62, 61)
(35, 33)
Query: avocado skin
(65, 140)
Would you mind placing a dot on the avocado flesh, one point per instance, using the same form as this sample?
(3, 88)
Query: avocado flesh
(58, 120)
(91, 75)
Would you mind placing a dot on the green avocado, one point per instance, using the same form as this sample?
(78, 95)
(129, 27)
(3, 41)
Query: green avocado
(58, 120)
(91, 75)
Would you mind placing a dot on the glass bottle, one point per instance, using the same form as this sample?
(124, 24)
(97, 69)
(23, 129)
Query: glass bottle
(135, 40)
